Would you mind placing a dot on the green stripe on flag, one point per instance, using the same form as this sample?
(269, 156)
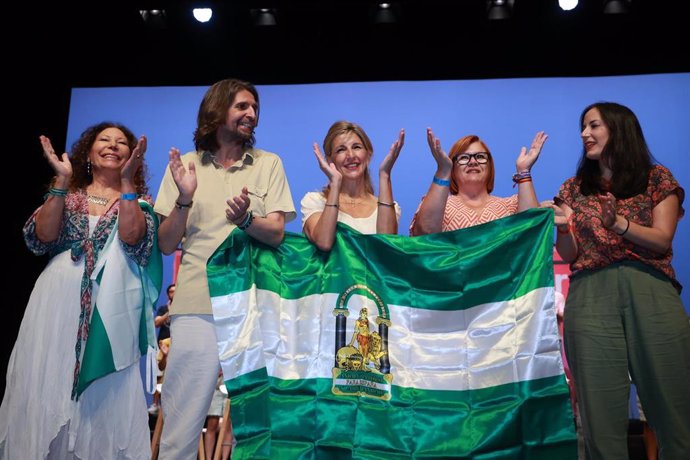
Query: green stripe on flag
(441, 346)
(414, 424)
(455, 269)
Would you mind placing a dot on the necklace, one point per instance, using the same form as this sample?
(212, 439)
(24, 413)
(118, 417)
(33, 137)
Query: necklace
(97, 200)
(350, 201)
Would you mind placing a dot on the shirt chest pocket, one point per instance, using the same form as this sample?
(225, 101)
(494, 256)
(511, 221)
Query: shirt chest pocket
(257, 197)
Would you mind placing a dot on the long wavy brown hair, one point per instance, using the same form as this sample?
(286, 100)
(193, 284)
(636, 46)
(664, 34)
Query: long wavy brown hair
(79, 157)
(213, 111)
(626, 153)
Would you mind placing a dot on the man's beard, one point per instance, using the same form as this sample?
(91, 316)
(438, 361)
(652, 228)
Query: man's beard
(236, 136)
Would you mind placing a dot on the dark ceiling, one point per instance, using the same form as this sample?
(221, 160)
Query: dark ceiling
(336, 40)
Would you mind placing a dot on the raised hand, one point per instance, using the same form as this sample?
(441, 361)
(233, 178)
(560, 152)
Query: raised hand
(527, 158)
(184, 178)
(135, 160)
(328, 169)
(62, 167)
(444, 164)
(608, 209)
(238, 206)
(389, 160)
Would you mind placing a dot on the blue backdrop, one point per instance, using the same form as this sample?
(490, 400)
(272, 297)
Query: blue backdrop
(506, 113)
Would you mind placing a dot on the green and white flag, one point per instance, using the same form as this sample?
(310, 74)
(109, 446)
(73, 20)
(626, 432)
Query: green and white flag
(121, 328)
(440, 346)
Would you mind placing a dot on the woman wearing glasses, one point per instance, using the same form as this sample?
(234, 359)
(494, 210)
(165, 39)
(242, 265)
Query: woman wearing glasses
(460, 192)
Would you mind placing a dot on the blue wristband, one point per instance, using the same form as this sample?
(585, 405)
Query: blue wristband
(441, 182)
(128, 196)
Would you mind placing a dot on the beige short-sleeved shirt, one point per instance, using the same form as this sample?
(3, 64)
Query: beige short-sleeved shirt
(261, 172)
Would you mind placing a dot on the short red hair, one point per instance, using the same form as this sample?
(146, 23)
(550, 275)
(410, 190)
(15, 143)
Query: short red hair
(461, 146)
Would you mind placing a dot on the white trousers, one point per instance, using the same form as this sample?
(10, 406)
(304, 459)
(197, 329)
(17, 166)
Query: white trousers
(190, 379)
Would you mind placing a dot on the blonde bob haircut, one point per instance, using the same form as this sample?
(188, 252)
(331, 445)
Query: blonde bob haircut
(347, 127)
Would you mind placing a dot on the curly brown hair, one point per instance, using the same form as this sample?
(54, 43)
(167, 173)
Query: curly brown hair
(213, 112)
(80, 154)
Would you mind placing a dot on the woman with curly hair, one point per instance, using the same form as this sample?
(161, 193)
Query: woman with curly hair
(74, 388)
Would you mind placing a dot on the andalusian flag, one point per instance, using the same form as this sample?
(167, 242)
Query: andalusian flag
(441, 346)
(121, 328)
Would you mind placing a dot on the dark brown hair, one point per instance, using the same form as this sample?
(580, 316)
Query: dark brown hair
(213, 111)
(626, 154)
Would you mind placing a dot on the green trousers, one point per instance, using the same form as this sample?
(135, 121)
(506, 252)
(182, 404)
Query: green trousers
(629, 318)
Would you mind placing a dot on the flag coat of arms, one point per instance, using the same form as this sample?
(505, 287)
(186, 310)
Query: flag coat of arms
(387, 347)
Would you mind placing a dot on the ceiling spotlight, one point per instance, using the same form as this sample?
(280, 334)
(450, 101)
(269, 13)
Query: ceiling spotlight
(264, 17)
(154, 18)
(499, 9)
(567, 5)
(202, 14)
(616, 6)
(385, 14)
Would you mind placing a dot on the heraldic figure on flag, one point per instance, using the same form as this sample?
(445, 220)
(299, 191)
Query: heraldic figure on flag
(437, 346)
(362, 367)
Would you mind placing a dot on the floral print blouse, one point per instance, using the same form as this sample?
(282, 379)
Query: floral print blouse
(598, 246)
(74, 234)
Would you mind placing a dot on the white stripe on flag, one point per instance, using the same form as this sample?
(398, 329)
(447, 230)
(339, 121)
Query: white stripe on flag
(480, 347)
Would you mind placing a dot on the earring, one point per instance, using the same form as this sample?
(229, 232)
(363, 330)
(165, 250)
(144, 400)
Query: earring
(88, 168)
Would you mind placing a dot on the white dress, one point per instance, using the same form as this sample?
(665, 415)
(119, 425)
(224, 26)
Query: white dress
(38, 419)
(316, 202)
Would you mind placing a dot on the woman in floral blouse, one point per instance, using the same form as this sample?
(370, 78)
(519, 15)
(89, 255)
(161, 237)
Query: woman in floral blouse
(74, 388)
(616, 220)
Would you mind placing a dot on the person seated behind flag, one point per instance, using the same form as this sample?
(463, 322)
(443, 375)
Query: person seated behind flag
(349, 195)
(460, 192)
(93, 226)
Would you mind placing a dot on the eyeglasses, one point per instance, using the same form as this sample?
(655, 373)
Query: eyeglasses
(464, 158)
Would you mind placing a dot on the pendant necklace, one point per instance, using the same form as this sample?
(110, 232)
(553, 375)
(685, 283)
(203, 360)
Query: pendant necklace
(97, 200)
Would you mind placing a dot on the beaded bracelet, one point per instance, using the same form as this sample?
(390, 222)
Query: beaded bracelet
(383, 203)
(522, 181)
(62, 192)
(441, 182)
(521, 177)
(57, 191)
(247, 221)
